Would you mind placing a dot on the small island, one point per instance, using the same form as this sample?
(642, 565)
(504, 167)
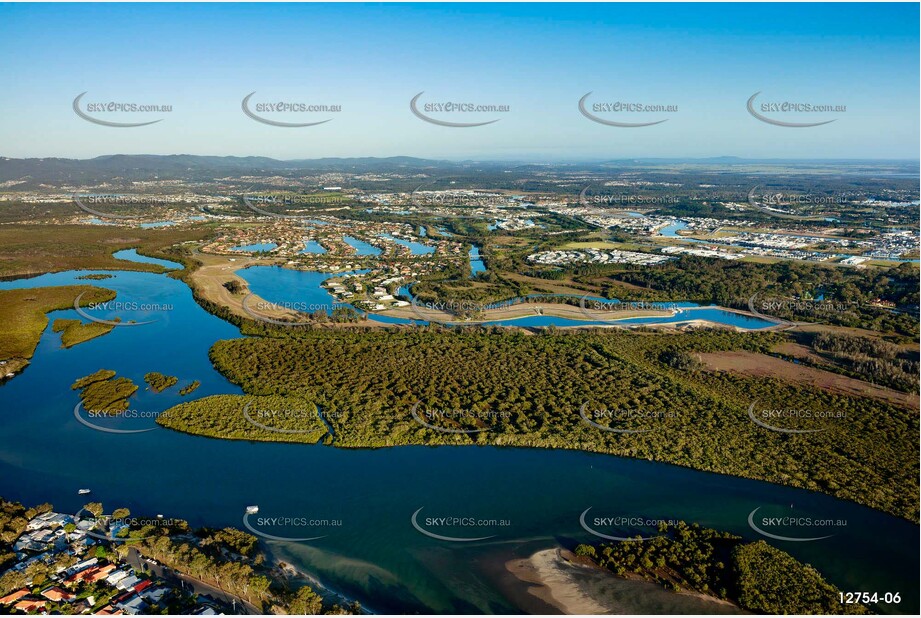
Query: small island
(102, 392)
(189, 388)
(159, 382)
(74, 332)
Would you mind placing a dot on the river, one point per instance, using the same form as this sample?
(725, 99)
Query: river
(361, 502)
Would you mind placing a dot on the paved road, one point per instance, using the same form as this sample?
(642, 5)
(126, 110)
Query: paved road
(188, 582)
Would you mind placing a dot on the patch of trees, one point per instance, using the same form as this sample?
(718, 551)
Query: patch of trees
(847, 292)
(528, 390)
(234, 287)
(159, 382)
(757, 577)
(103, 392)
(872, 359)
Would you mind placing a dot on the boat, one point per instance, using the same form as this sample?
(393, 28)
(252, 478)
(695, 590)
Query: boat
(83, 492)
(252, 510)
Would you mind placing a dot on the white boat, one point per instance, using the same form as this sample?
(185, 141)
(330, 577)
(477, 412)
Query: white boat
(83, 492)
(252, 510)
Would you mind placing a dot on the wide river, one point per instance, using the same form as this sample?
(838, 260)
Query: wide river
(361, 502)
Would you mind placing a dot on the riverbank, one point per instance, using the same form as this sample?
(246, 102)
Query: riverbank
(558, 578)
(212, 272)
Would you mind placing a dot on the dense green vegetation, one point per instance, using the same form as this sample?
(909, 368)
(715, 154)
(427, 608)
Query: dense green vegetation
(96, 276)
(190, 387)
(848, 293)
(158, 381)
(527, 390)
(102, 392)
(757, 577)
(268, 419)
(871, 359)
(75, 331)
(99, 376)
(23, 319)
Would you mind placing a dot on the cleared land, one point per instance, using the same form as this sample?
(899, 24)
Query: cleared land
(758, 365)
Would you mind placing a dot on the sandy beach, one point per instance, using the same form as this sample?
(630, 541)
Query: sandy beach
(552, 577)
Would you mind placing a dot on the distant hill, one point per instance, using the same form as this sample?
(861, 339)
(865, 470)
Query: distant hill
(120, 167)
(192, 167)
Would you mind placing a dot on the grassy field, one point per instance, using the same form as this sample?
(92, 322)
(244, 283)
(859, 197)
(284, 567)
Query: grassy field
(30, 249)
(23, 319)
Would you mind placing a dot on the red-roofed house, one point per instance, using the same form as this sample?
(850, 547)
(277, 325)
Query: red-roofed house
(101, 573)
(14, 596)
(56, 594)
(31, 605)
(144, 584)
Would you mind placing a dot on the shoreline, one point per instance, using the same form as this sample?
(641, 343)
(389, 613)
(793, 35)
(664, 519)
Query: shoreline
(202, 280)
(290, 571)
(556, 577)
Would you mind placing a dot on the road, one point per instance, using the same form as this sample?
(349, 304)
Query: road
(138, 562)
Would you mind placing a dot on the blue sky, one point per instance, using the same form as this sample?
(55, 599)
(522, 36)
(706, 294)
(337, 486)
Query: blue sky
(538, 59)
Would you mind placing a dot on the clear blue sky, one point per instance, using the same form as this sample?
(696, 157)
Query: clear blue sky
(539, 59)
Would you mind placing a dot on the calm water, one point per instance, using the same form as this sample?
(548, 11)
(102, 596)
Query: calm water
(361, 247)
(416, 248)
(312, 246)
(375, 555)
(476, 264)
(132, 255)
(671, 231)
(303, 288)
